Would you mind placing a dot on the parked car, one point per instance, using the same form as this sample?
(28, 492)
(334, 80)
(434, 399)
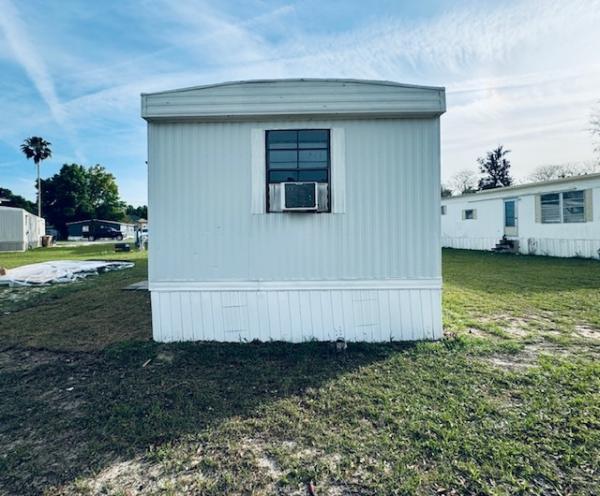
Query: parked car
(106, 232)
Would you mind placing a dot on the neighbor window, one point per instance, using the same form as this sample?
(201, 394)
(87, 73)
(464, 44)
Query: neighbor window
(469, 214)
(298, 156)
(443, 209)
(573, 206)
(550, 208)
(563, 207)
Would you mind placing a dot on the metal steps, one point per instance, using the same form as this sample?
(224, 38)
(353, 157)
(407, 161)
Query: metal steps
(506, 245)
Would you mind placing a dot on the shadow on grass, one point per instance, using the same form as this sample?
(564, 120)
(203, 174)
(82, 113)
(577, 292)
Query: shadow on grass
(67, 415)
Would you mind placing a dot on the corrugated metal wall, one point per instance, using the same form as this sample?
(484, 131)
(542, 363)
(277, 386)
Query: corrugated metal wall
(207, 246)
(203, 229)
(35, 228)
(12, 234)
(19, 229)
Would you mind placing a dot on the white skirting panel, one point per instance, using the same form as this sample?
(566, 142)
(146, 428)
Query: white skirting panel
(280, 312)
(550, 247)
(464, 243)
(582, 248)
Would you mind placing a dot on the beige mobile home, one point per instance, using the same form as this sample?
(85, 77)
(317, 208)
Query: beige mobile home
(19, 229)
(295, 210)
(559, 218)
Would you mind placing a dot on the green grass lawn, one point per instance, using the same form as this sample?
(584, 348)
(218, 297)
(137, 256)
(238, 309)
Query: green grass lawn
(508, 403)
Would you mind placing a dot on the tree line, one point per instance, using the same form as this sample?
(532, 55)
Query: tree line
(75, 192)
(494, 172)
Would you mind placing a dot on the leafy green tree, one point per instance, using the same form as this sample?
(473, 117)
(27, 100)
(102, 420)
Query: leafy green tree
(77, 192)
(38, 149)
(140, 212)
(9, 199)
(104, 194)
(496, 169)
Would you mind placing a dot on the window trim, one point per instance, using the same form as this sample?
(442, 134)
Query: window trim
(266, 166)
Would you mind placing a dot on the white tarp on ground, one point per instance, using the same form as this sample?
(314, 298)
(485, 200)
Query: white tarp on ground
(58, 271)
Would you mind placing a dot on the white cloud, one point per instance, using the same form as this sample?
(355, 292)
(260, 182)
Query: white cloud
(28, 56)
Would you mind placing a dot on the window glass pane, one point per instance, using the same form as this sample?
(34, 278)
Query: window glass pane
(469, 214)
(280, 176)
(312, 158)
(313, 138)
(509, 214)
(319, 176)
(573, 206)
(283, 159)
(550, 208)
(282, 139)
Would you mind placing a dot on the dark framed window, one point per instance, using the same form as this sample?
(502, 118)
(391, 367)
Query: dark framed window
(298, 155)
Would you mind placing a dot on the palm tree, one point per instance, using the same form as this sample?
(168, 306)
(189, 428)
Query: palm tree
(38, 149)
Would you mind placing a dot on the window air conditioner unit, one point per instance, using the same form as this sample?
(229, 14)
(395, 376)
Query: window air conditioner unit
(299, 197)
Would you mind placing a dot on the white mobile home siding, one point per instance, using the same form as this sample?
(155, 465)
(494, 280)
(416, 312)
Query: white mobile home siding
(578, 239)
(371, 272)
(19, 229)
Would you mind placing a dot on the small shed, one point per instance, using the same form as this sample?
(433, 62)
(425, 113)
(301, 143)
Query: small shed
(559, 218)
(294, 210)
(20, 229)
(84, 229)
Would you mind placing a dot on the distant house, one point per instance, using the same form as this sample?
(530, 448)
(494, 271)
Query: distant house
(295, 210)
(558, 218)
(19, 229)
(91, 228)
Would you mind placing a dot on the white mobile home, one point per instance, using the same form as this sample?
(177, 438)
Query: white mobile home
(20, 230)
(295, 210)
(558, 218)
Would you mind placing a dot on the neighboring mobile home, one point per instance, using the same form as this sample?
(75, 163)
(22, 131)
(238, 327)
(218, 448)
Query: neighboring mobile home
(20, 230)
(558, 218)
(295, 210)
(93, 228)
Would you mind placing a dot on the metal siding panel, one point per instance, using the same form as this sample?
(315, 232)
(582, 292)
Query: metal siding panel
(258, 171)
(387, 234)
(338, 170)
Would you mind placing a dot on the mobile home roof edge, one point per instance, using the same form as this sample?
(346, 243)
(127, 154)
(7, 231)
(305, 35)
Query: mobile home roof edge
(595, 175)
(97, 220)
(298, 80)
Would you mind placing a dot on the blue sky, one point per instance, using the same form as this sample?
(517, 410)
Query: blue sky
(525, 74)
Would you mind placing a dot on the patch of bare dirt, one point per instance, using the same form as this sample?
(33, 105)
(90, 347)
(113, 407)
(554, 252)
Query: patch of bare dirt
(587, 332)
(11, 299)
(528, 357)
(131, 477)
(25, 360)
(478, 333)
